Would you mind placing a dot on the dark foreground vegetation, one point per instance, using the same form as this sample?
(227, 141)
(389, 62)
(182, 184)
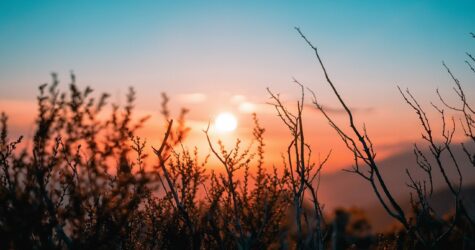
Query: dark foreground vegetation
(85, 182)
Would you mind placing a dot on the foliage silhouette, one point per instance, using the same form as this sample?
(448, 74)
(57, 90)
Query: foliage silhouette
(86, 182)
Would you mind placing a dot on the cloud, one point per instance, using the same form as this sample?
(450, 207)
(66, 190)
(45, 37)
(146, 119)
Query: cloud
(247, 107)
(237, 99)
(341, 111)
(192, 97)
(243, 105)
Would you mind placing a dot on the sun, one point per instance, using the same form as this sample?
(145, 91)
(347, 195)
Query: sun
(225, 122)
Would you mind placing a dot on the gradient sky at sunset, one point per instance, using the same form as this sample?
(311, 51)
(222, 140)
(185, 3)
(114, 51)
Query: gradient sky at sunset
(221, 56)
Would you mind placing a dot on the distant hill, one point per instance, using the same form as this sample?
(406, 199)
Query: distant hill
(442, 202)
(343, 189)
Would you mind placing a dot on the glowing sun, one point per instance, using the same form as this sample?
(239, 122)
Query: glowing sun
(225, 122)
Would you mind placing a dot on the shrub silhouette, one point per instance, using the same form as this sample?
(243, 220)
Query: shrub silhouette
(424, 229)
(87, 182)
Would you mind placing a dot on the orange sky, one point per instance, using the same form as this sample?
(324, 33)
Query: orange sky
(392, 129)
(214, 57)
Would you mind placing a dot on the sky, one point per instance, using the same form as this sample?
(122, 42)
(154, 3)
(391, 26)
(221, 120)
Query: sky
(220, 56)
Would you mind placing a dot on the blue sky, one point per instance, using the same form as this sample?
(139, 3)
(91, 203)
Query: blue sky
(239, 47)
(215, 56)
